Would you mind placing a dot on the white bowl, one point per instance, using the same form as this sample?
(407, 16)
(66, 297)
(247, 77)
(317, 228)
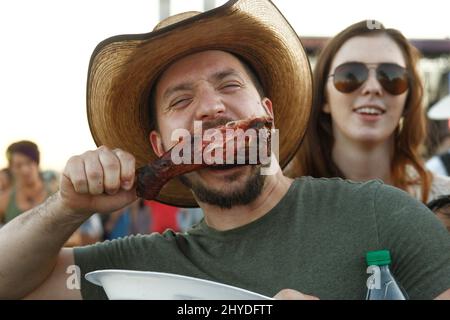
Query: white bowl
(145, 285)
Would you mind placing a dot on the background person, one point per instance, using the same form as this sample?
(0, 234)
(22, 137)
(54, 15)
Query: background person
(28, 187)
(5, 179)
(441, 207)
(367, 120)
(440, 163)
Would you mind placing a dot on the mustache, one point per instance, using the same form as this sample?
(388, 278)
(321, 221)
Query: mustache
(209, 124)
(216, 122)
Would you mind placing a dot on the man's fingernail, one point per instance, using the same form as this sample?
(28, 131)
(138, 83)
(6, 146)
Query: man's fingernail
(111, 192)
(126, 185)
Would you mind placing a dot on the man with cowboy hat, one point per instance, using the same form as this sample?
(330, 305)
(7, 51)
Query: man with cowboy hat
(261, 233)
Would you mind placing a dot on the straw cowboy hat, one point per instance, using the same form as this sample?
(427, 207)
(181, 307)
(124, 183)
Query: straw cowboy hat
(123, 68)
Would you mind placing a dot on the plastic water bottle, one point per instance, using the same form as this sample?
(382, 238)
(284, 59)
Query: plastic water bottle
(382, 284)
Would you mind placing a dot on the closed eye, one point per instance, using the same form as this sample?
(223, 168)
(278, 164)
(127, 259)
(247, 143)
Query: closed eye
(230, 86)
(180, 103)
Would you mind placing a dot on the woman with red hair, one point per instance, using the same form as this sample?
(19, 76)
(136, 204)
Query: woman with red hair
(367, 120)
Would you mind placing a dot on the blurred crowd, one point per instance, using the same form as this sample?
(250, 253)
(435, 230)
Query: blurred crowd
(24, 185)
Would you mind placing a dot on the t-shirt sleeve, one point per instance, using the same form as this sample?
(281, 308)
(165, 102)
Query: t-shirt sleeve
(131, 253)
(98, 257)
(418, 242)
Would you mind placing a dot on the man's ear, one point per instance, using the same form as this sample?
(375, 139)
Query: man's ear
(267, 105)
(155, 140)
(326, 108)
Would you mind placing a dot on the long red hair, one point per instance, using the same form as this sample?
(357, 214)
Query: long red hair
(314, 156)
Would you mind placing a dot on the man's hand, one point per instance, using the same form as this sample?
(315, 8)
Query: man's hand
(98, 181)
(291, 294)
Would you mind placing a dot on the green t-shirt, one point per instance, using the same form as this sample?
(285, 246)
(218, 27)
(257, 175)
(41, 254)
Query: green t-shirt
(314, 240)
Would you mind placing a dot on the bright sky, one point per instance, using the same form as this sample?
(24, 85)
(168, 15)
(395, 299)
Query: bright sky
(46, 46)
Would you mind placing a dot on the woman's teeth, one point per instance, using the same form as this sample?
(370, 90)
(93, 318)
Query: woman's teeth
(368, 110)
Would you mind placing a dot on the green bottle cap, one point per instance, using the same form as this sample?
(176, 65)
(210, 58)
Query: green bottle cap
(378, 258)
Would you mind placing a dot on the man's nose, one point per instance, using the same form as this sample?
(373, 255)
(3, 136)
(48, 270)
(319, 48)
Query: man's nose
(210, 104)
(372, 85)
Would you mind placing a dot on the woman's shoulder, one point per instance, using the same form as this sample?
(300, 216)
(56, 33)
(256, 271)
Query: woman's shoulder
(5, 194)
(439, 186)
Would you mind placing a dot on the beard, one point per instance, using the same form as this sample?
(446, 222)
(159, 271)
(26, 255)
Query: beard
(246, 193)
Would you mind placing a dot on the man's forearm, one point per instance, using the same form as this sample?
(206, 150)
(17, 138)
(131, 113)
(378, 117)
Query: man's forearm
(30, 244)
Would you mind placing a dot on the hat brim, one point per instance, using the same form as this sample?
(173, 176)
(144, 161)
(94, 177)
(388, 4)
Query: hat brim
(123, 68)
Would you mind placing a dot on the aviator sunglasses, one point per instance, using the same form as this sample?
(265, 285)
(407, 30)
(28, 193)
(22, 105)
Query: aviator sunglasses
(351, 75)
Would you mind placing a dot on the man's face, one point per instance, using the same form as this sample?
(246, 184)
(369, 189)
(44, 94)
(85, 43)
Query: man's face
(212, 87)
